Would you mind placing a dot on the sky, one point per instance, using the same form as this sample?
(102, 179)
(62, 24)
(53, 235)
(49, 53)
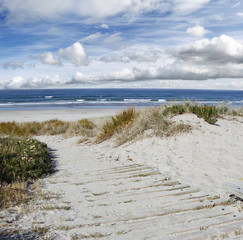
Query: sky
(121, 44)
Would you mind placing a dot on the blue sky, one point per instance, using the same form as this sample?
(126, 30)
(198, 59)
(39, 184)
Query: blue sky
(129, 43)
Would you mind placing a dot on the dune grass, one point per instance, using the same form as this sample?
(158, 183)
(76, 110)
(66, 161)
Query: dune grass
(116, 124)
(131, 124)
(51, 127)
(152, 119)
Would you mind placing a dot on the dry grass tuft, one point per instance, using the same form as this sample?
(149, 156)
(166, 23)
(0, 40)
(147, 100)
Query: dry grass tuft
(51, 127)
(13, 194)
(117, 123)
(83, 127)
(153, 119)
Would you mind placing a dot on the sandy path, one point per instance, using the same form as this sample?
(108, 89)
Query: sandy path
(102, 198)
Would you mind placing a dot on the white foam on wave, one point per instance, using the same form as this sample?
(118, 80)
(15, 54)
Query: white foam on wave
(48, 97)
(134, 100)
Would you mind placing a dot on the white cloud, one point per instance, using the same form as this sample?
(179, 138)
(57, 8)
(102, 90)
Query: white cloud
(48, 58)
(219, 50)
(19, 82)
(53, 31)
(75, 54)
(93, 10)
(183, 7)
(135, 56)
(112, 41)
(197, 31)
(93, 38)
(240, 14)
(113, 58)
(170, 72)
(105, 26)
(142, 56)
(13, 65)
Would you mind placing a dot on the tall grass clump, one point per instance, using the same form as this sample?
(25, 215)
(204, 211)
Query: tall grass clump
(116, 124)
(151, 119)
(83, 127)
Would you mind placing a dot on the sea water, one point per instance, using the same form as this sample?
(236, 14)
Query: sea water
(113, 98)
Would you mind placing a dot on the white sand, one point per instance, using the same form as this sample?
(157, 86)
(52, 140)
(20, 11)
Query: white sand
(110, 195)
(61, 114)
(207, 158)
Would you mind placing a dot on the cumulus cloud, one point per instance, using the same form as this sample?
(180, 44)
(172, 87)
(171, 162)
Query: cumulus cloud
(175, 71)
(19, 82)
(93, 10)
(172, 72)
(216, 58)
(75, 54)
(128, 75)
(219, 50)
(48, 58)
(13, 65)
(197, 31)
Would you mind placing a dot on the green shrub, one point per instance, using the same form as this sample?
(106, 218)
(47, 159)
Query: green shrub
(208, 113)
(23, 159)
(175, 109)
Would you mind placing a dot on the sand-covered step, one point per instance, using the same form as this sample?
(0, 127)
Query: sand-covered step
(186, 219)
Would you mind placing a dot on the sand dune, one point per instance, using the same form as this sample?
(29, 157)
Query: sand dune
(151, 188)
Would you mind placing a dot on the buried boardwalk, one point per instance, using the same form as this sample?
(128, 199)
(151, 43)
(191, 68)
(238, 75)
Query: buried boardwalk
(92, 196)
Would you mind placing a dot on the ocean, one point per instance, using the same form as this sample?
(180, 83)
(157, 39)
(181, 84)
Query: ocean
(112, 98)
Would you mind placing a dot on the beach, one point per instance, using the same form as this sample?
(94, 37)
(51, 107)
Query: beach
(61, 114)
(135, 190)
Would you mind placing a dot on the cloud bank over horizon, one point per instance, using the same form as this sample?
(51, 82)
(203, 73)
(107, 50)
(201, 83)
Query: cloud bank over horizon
(155, 43)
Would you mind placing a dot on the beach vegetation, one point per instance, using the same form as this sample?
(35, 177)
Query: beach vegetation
(21, 160)
(209, 113)
(150, 120)
(39, 229)
(175, 109)
(50, 127)
(117, 123)
(13, 194)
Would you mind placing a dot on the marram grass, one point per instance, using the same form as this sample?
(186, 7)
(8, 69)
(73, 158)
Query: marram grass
(50, 127)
